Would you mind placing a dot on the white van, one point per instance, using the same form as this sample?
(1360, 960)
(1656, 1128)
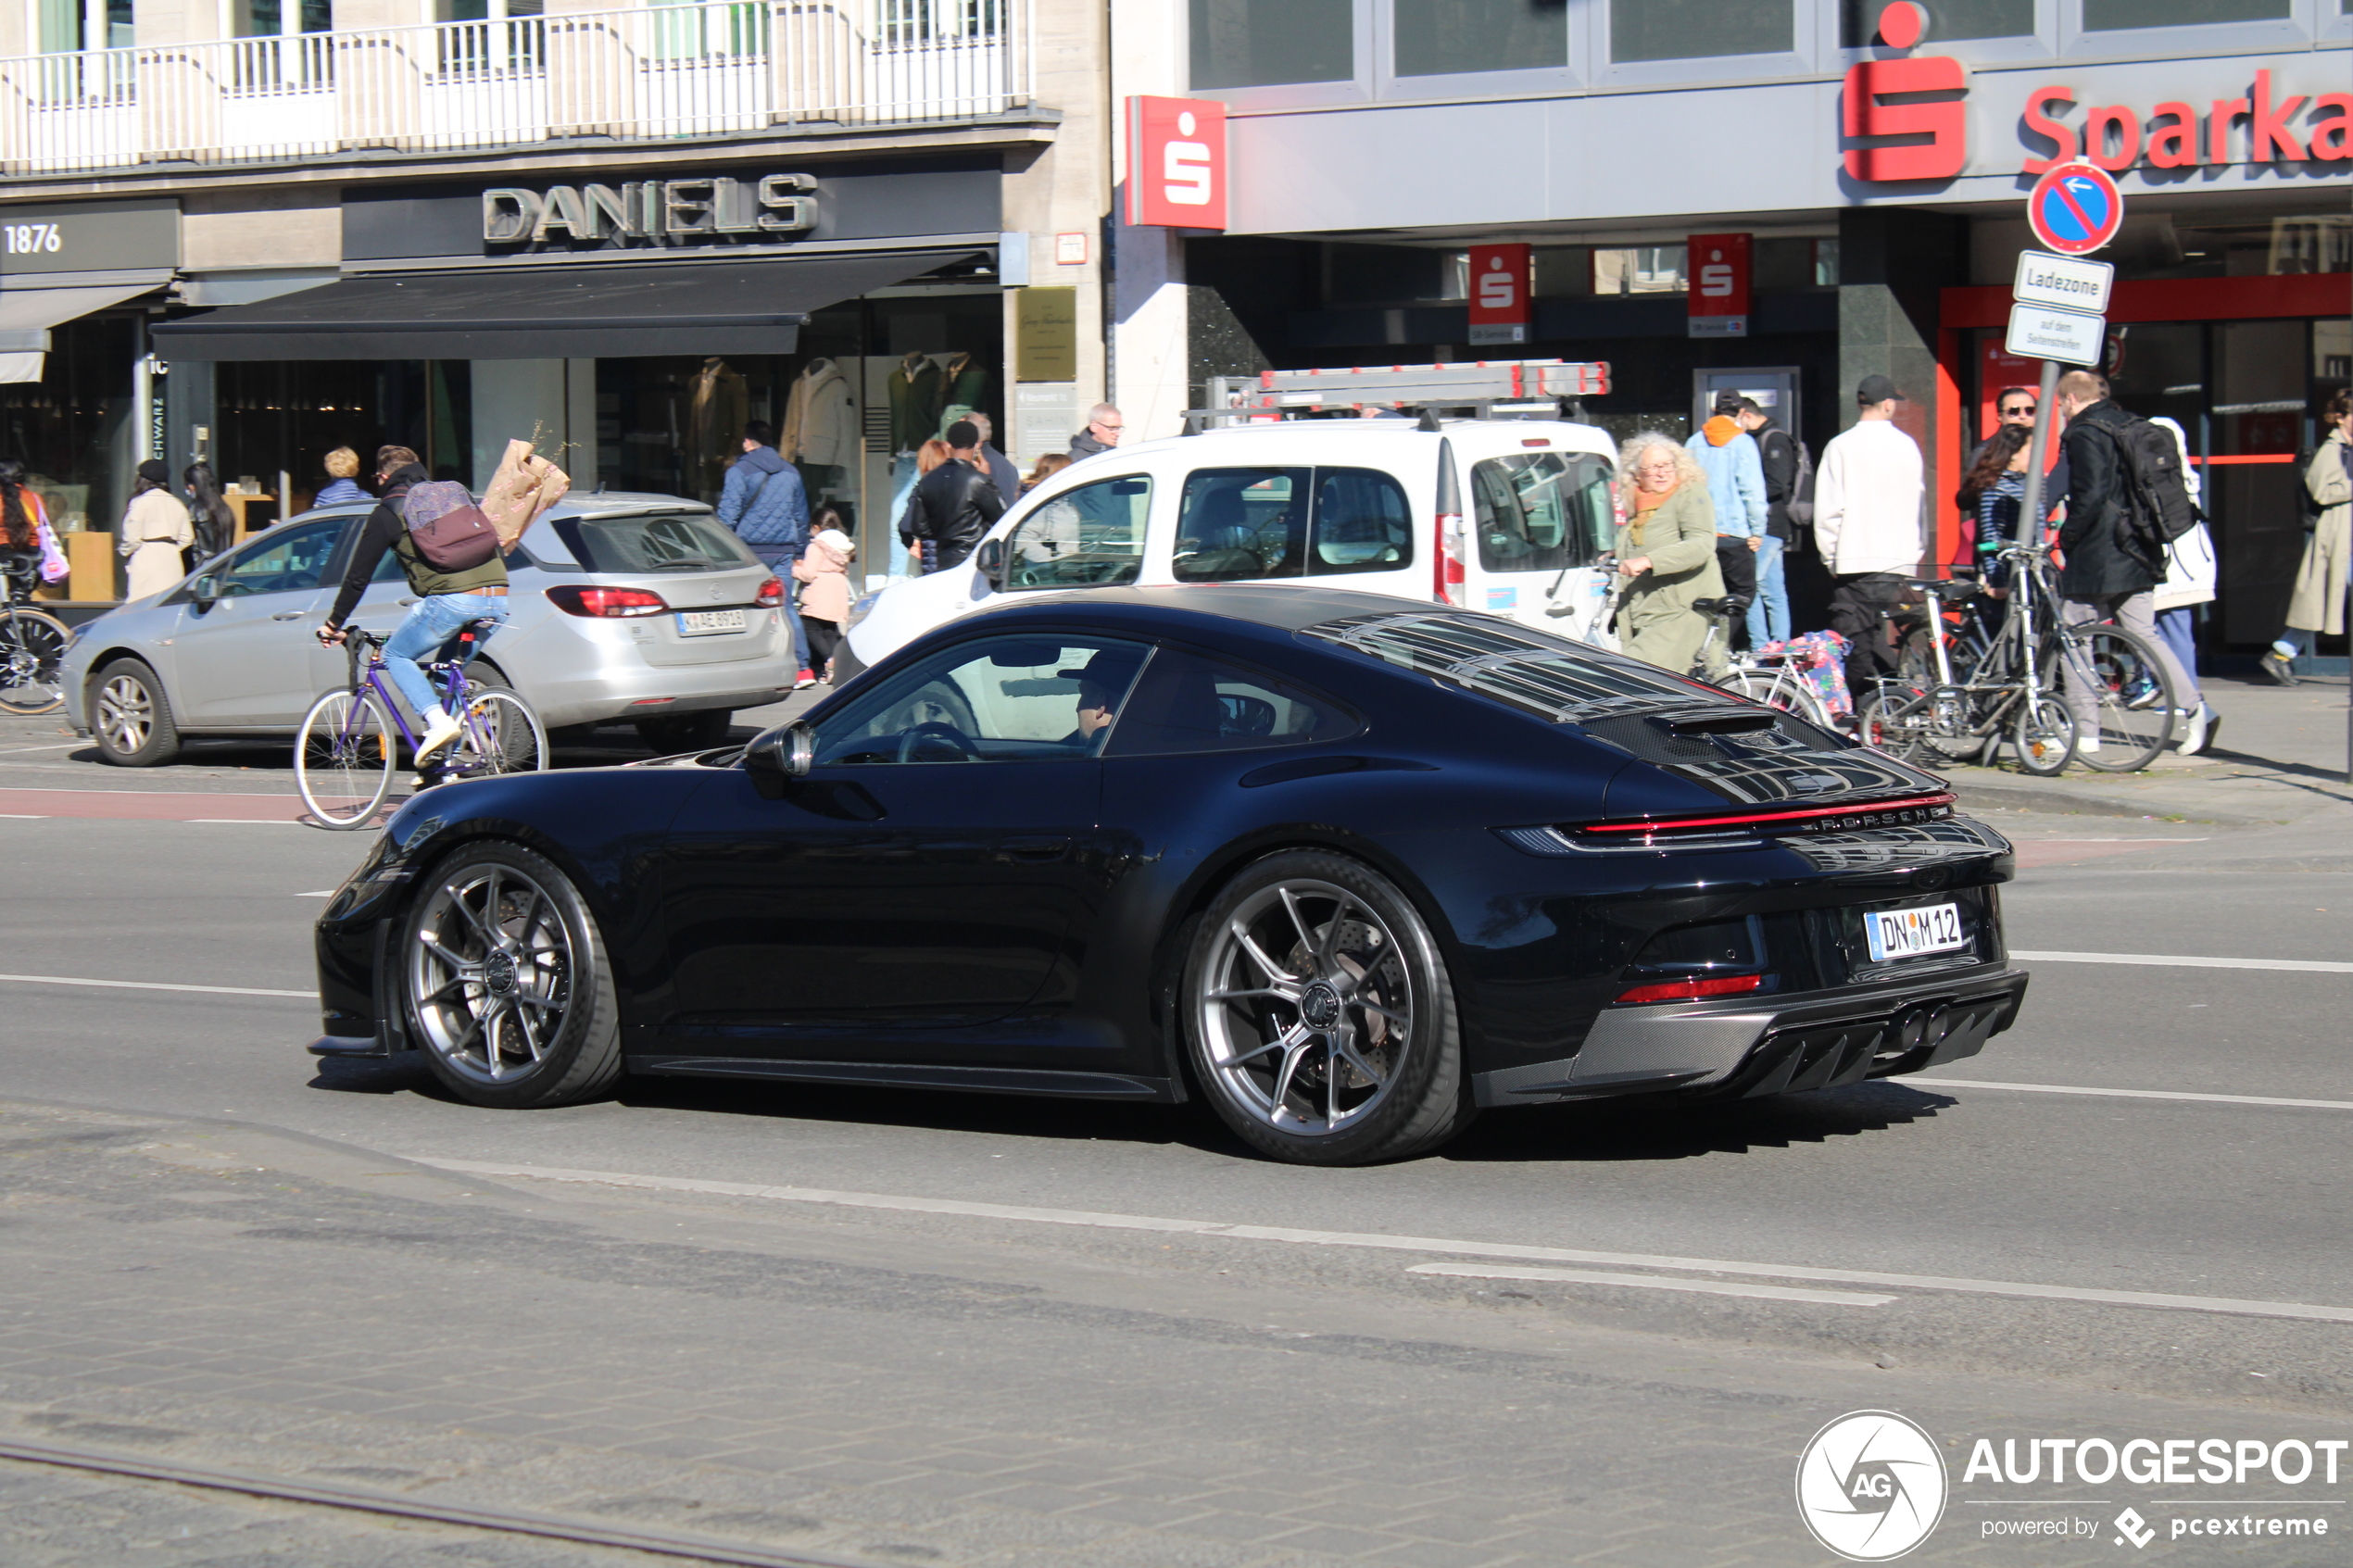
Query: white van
(1506, 516)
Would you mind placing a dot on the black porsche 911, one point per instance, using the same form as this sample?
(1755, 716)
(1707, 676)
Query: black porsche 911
(1348, 868)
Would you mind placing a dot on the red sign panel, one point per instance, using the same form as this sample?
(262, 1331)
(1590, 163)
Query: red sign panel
(1176, 163)
(1867, 115)
(1499, 307)
(1717, 272)
(2074, 209)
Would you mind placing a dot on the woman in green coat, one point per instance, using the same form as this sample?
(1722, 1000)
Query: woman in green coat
(1667, 551)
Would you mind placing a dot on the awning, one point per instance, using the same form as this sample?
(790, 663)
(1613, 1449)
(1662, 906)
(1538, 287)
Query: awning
(27, 314)
(545, 312)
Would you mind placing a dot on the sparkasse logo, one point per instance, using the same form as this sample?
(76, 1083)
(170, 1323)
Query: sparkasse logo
(1892, 130)
(1870, 1486)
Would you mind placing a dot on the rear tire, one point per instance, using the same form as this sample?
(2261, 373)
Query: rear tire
(505, 982)
(2137, 703)
(131, 716)
(32, 646)
(1318, 1016)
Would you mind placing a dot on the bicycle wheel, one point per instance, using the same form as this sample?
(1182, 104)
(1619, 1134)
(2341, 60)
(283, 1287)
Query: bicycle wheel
(1782, 690)
(501, 735)
(2043, 733)
(343, 758)
(33, 645)
(2136, 700)
(1895, 722)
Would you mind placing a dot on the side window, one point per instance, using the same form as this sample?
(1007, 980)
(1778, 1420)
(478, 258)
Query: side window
(1092, 536)
(288, 560)
(1190, 702)
(1541, 511)
(1241, 525)
(1000, 699)
(1361, 523)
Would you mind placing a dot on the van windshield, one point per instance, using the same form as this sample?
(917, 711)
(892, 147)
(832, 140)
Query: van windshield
(1541, 511)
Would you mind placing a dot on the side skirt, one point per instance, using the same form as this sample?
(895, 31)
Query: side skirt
(978, 1080)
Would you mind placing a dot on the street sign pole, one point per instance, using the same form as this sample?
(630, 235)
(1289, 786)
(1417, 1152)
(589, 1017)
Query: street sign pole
(2030, 513)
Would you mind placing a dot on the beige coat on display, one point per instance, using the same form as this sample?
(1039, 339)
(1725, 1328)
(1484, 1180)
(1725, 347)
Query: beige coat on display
(154, 530)
(2318, 602)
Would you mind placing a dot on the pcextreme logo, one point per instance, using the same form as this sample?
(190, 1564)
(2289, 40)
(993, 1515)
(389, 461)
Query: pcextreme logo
(1872, 1486)
(1868, 114)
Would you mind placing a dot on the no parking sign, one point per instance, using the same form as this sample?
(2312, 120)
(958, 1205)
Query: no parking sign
(2075, 208)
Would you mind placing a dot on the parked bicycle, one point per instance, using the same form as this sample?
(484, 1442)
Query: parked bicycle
(1776, 680)
(33, 644)
(349, 742)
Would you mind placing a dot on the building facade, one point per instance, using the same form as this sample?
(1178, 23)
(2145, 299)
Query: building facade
(256, 232)
(1858, 171)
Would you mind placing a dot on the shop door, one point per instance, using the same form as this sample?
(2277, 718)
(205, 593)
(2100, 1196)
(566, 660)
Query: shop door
(1774, 387)
(2258, 417)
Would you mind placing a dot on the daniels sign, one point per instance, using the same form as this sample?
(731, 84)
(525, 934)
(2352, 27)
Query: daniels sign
(649, 212)
(1908, 117)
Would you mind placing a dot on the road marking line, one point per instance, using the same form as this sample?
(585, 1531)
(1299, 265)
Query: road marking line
(324, 893)
(2224, 1304)
(156, 986)
(240, 822)
(2316, 966)
(1653, 1282)
(2126, 1094)
(22, 817)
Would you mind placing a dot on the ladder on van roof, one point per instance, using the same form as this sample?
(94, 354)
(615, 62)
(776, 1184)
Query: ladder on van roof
(1485, 387)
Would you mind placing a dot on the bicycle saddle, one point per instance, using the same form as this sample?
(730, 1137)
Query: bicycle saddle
(1946, 587)
(1717, 606)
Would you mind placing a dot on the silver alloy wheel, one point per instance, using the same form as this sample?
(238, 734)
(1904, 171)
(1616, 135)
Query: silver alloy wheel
(126, 713)
(1307, 1007)
(490, 972)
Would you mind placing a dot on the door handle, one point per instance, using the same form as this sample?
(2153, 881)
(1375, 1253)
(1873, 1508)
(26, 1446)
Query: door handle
(1037, 847)
(289, 615)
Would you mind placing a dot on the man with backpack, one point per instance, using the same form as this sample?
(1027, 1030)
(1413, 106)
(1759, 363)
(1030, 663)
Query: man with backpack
(2125, 502)
(1786, 464)
(447, 597)
(765, 504)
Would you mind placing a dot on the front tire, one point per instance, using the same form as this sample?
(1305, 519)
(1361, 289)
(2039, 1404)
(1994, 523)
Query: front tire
(506, 984)
(132, 717)
(1319, 1017)
(343, 758)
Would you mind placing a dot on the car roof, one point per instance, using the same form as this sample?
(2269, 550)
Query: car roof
(1274, 606)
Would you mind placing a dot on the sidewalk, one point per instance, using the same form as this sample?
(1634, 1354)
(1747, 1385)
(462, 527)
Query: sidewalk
(2279, 756)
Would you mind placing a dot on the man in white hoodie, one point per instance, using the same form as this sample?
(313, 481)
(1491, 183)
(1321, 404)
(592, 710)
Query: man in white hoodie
(1867, 523)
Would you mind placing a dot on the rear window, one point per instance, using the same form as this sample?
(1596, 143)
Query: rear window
(653, 542)
(1548, 676)
(1541, 511)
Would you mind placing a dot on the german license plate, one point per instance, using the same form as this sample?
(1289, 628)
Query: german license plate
(703, 622)
(1907, 933)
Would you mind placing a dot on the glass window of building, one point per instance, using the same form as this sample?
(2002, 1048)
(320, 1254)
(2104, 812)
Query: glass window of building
(65, 27)
(274, 19)
(2112, 16)
(1859, 20)
(1692, 30)
(1448, 37)
(1639, 269)
(1270, 43)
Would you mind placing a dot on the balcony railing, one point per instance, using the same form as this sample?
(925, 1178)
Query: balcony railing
(665, 70)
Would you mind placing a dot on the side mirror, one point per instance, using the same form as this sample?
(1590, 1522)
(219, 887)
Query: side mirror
(203, 590)
(780, 758)
(990, 560)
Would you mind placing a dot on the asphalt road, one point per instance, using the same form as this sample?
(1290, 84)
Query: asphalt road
(2033, 1207)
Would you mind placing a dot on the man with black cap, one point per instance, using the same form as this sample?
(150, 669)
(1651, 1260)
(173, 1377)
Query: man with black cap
(956, 503)
(1867, 523)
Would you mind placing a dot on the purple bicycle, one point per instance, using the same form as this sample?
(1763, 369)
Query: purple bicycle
(346, 752)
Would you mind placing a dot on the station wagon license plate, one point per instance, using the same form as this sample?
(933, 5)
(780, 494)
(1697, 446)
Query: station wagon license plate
(1908, 934)
(703, 622)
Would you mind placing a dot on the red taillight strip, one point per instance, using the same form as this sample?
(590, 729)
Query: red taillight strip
(1756, 819)
(1693, 988)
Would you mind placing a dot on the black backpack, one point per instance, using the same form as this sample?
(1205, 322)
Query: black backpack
(2154, 506)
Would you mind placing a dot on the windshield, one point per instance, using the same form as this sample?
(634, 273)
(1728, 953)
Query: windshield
(1548, 676)
(653, 542)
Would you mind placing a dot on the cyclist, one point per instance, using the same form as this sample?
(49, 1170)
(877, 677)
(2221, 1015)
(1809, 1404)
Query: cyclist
(446, 600)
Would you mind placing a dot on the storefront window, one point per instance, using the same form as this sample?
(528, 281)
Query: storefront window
(1859, 20)
(1692, 30)
(73, 429)
(1444, 37)
(1639, 269)
(2110, 16)
(1271, 43)
(286, 415)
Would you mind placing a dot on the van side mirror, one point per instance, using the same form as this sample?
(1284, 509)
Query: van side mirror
(778, 758)
(990, 560)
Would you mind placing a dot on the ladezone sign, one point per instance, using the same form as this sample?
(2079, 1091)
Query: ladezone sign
(2268, 124)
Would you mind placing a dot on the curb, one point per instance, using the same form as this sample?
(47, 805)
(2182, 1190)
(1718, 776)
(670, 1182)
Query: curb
(2023, 795)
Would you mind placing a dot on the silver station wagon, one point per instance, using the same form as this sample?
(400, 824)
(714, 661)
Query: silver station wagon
(622, 607)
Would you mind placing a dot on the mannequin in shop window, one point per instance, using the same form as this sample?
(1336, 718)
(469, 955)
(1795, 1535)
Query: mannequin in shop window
(719, 401)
